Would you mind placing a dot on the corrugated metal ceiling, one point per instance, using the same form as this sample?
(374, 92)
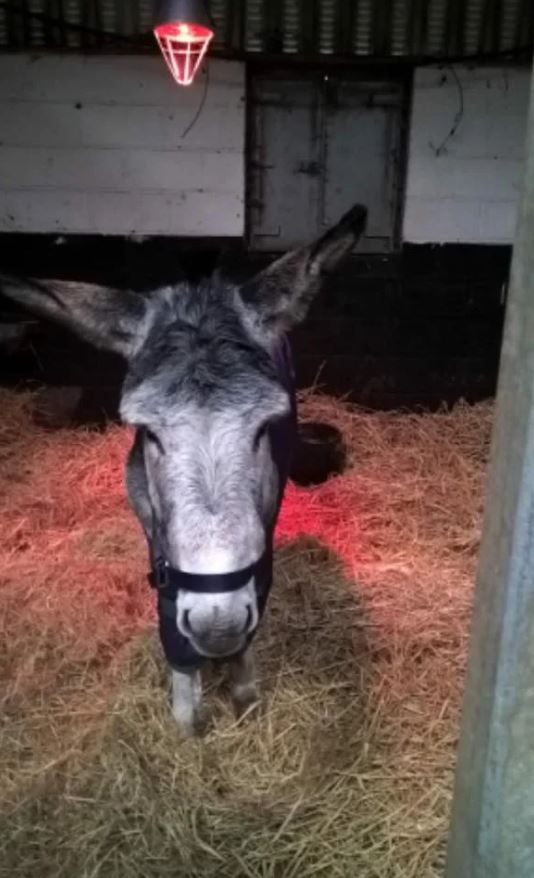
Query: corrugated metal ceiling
(362, 28)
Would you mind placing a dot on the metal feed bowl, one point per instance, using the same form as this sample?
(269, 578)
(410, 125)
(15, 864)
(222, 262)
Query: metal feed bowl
(319, 453)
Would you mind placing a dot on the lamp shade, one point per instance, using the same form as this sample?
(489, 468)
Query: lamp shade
(183, 31)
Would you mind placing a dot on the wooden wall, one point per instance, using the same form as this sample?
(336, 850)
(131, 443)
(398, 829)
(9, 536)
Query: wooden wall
(97, 145)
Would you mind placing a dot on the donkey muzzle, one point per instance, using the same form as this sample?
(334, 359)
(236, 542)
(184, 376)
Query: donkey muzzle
(218, 630)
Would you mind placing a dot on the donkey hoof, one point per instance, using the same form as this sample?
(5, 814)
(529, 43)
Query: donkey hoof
(185, 730)
(186, 722)
(245, 699)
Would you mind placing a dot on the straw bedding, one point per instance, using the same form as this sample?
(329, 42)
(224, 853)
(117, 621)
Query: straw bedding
(347, 770)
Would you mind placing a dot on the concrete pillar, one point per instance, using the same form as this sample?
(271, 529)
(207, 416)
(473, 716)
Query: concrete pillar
(492, 828)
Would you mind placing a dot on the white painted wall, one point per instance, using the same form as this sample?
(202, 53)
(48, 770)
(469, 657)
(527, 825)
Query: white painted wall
(96, 145)
(469, 193)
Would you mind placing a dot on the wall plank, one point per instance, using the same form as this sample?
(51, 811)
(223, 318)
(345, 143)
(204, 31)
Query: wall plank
(116, 170)
(191, 214)
(125, 79)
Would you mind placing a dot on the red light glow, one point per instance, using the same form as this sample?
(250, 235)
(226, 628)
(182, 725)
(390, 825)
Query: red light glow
(183, 46)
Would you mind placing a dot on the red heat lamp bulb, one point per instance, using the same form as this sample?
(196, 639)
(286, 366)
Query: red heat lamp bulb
(183, 45)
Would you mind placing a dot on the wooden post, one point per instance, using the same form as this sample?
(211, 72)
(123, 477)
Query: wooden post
(492, 828)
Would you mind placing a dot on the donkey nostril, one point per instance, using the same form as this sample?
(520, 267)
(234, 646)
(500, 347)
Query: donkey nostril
(248, 623)
(186, 623)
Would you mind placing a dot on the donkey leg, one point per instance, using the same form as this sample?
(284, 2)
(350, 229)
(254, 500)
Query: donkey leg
(243, 684)
(186, 699)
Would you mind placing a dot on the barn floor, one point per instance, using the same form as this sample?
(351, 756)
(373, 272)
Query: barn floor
(349, 770)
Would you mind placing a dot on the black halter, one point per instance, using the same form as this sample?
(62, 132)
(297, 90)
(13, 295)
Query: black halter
(170, 580)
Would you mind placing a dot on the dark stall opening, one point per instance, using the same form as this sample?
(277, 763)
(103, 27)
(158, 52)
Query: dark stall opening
(415, 329)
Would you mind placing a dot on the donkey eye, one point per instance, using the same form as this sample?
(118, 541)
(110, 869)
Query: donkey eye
(153, 439)
(260, 434)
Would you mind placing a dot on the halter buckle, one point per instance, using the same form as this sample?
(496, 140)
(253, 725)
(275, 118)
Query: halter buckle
(159, 575)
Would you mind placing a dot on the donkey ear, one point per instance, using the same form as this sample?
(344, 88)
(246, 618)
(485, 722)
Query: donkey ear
(107, 318)
(281, 295)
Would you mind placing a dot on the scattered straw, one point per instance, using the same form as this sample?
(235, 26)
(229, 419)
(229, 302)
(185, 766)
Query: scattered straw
(347, 772)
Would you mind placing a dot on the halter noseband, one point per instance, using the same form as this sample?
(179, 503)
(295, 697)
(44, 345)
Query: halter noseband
(170, 580)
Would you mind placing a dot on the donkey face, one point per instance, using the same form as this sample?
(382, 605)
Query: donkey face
(203, 392)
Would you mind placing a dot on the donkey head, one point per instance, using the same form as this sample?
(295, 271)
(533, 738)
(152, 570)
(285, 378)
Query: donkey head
(202, 389)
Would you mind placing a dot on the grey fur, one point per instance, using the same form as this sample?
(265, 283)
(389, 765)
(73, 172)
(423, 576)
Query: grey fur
(107, 318)
(200, 389)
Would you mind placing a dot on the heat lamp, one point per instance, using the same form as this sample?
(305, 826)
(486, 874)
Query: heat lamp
(183, 31)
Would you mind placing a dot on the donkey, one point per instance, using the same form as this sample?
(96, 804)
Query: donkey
(210, 390)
